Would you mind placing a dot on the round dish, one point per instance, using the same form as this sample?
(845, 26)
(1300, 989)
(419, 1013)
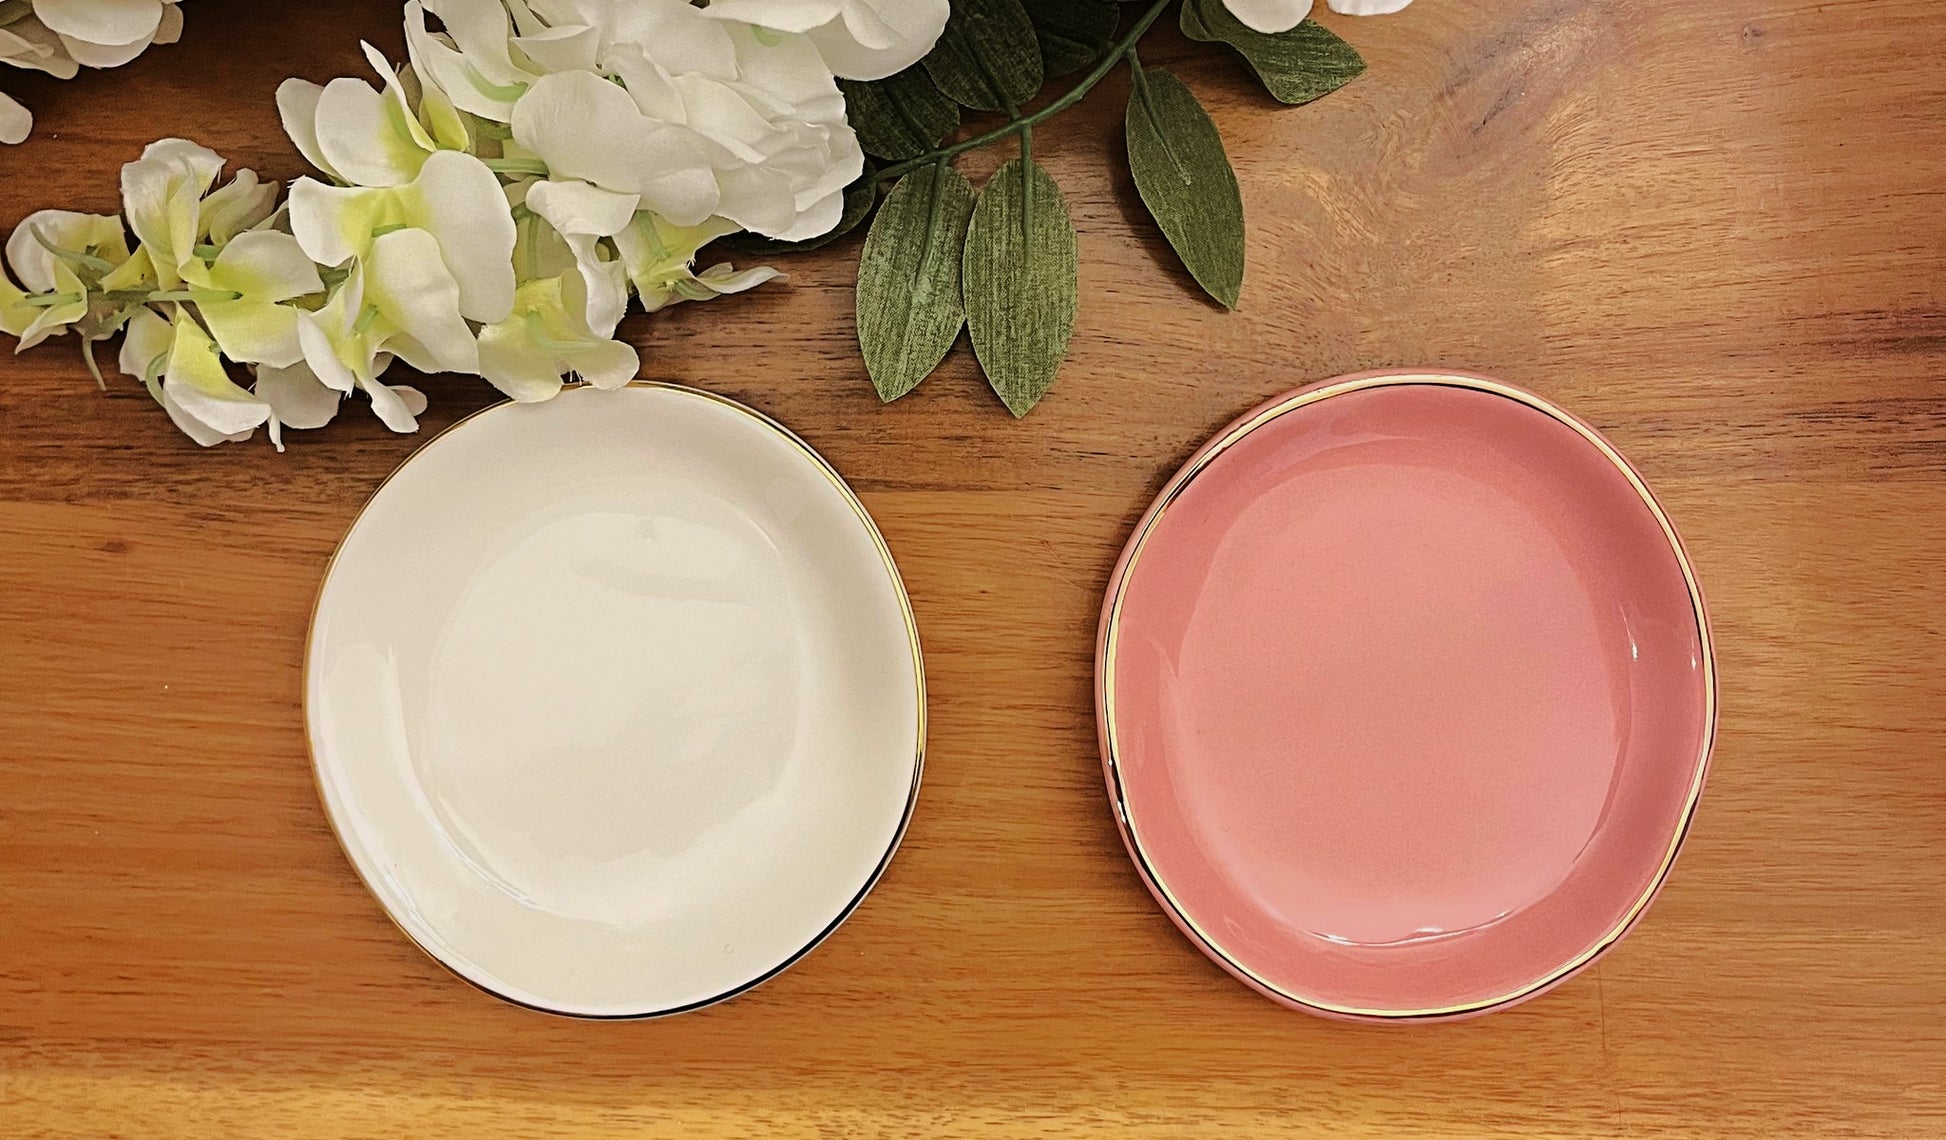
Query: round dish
(1406, 696)
(616, 701)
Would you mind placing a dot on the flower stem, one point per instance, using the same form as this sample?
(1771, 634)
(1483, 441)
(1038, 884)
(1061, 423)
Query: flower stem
(1068, 99)
(516, 166)
(195, 296)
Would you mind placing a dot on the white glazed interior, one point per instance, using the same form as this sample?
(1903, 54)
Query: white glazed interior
(614, 700)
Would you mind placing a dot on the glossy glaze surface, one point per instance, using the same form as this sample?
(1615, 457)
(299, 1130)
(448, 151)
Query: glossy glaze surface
(614, 701)
(1408, 697)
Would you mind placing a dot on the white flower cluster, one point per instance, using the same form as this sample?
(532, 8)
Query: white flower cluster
(488, 209)
(62, 36)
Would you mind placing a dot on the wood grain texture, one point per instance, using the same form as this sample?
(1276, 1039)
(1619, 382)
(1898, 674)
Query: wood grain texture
(1714, 230)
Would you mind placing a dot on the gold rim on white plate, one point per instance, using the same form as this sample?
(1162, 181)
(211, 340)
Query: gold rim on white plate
(864, 517)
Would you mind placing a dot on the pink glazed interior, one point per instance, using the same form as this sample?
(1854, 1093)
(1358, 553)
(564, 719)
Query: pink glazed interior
(1406, 697)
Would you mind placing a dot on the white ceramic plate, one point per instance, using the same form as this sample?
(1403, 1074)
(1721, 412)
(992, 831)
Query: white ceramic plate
(616, 701)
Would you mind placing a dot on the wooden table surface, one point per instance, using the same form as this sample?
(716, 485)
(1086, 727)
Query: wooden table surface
(1716, 230)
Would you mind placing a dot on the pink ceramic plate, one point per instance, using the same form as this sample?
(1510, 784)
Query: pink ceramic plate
(1406, 696)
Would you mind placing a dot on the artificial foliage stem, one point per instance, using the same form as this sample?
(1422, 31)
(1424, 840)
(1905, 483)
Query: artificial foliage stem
(1073, 95)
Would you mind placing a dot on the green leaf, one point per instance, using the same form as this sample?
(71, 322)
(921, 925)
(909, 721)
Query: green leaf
(902, 116)
(988, 58)
(860, 196)
(1305, 63)
(1021, 285)
(1185, 180)
(1073, 33)
(909, 307)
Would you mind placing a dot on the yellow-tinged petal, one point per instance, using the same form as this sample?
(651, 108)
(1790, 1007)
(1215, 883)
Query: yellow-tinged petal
(418, 302)
(196, 381)
(266, 265)
(442, 120)
(254, 332)
(237, 205)
(162, 194)
(15, 316)
(135, 272)
(95, 235)
(455, 198)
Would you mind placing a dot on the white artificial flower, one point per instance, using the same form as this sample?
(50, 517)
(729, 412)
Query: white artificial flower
(203, 404)
(52, 276)
(661, 261)
(109, 33)
(546, 337)
(700, 117)
(162, 195)
(264, 269)
(148, 349)
(472, 61)
(695, 114)
(455, 198)
(195, 389)
(61, 36)
(582, 215)
(859, 39)
(357, 135)
(399, 300)
(28, 44)
(1273, 16)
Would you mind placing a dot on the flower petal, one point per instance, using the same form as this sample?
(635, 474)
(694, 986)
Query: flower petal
(1269, 16)
(583, 214)
(570, 48)
(297, 397)
(416, 294)
(515, 365)
(16, 121)
(28, 44)
(162, 195)
(333, 347)
(333, 224)
(102, 21)
(726, 278)
(441, 119)
(146, 345)
(196, 381)
(394, 409)
(35, 265)
(606, 364)
(16, 316)
(582, 126)
(104, 55)
(459, 201)
(195, 429)
(574, 207)
(470, 62)
(872, 41)
(253, 331)
(359, 139)
(169, 31)
(297, 106)
(266, 265)
(236, 206)
(1367, 7)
